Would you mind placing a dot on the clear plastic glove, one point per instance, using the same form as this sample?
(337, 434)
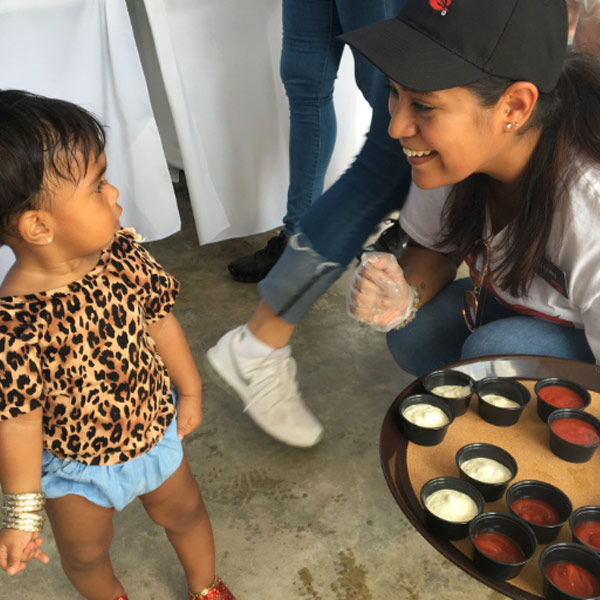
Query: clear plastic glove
(379, 295)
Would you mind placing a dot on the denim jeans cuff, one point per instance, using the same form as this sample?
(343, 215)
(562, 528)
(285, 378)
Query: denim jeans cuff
(297, 280)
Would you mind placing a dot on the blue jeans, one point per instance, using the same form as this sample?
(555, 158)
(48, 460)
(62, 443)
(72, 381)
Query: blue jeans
(438, 335)
(310, 60)
(337, 224)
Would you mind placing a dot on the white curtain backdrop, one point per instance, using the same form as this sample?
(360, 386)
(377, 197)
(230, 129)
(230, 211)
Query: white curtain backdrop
(218, 61)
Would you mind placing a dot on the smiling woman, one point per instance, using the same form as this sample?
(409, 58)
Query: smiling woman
(501, 129)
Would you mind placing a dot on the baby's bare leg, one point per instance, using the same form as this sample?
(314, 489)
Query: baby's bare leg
(83, 532)
(178, 507)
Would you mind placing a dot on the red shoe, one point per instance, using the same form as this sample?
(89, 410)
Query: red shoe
(217, 591)
(124, 597)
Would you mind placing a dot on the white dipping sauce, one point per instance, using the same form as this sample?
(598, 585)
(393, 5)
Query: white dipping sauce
(425, 415)
(500, 401)
(451, 505)
(486, 470)
(451, 391)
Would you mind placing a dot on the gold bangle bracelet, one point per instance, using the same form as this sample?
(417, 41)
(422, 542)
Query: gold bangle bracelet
(7, 513)
(27, 496)
(15, 504)
(413, 308)
(23, 508)
(31, 522)
(36, 504)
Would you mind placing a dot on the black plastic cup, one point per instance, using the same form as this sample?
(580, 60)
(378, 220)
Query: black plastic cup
(544, 408)
(510, 526)
(450, 530)
(503, 386)
(570, 553)
(424, 436)
(489, 491)
(450, 377)
(582, 515)
(566, 450)
(540, 490)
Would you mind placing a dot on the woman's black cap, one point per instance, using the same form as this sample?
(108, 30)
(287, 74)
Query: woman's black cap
(439, 44)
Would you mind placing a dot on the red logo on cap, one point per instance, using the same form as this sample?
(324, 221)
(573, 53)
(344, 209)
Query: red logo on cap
(441, 5)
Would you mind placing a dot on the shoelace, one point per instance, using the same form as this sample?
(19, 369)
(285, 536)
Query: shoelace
(276, 376)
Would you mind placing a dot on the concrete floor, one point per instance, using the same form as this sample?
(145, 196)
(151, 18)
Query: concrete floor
(289, 524)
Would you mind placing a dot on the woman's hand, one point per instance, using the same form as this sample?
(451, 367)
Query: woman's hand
(379, 294)
(18, 547)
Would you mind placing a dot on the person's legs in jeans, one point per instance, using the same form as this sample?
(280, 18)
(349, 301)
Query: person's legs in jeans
(439, 335)
(337, 224)
(528, 335)
(309, 63)
(329, 235)
(310, 59)
(255, 360)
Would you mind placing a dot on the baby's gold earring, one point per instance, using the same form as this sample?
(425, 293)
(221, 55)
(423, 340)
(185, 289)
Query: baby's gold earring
(48, 240)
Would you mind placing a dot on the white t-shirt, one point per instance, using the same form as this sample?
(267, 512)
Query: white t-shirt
(574, 247)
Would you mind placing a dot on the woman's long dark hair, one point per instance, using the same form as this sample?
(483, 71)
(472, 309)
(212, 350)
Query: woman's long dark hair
(569, 120)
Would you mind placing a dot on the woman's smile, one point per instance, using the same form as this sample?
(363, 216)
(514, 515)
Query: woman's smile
(418, 157)
(410, 153)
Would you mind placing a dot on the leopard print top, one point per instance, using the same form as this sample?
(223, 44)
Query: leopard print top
(83, 352)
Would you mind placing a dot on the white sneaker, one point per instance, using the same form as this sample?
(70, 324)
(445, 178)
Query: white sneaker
(267, 386)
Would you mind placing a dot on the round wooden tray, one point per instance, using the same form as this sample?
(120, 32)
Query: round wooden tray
(407, 466)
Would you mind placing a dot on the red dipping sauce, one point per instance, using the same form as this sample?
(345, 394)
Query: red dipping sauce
(573, 579)
(536, 511)
(589, 533)
(561, 397)
(499, 547)
(576, 431)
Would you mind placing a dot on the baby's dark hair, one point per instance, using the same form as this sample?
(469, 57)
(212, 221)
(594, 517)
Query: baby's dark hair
(41, 138)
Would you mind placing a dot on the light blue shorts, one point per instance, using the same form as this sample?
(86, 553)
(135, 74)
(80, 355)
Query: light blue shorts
(114, 485)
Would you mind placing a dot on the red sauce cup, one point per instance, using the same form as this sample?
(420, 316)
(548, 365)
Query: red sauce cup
(567, 449)
(573, 554)
(551, 399)
(450, 377)
(517, 532)
(585, 527)
(541, 491)
(503, 386)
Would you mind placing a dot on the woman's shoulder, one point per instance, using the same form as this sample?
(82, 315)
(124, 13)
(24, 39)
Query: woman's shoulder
(584, 193)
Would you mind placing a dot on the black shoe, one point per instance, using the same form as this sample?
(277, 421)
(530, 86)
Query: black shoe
(254, 267)
(393, 240)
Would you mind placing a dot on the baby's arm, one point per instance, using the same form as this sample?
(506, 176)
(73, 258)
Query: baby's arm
(20, 473)
(177, 356)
